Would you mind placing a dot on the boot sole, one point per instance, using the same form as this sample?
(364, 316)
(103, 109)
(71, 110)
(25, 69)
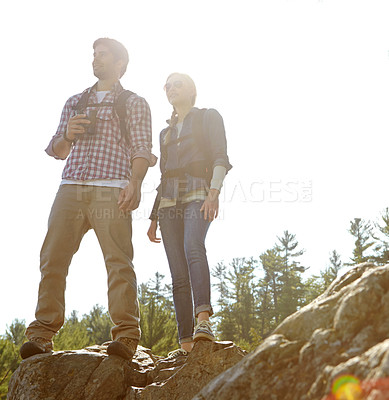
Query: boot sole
(203, 336)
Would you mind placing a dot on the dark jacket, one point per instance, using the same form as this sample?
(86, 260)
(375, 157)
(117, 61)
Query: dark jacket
(202, 145)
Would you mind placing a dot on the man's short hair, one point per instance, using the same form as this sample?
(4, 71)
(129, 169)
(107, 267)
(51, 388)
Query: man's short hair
(117, 49)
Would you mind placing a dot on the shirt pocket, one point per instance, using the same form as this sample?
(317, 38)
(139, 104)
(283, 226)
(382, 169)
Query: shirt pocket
(106, 113)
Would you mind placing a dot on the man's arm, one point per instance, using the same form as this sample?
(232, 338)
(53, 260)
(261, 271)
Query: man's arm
(69, 126)
(62, 145)
(139, 126)
(129, 197)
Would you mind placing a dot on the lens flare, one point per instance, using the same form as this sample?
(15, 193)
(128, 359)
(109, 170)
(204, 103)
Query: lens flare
(347, 387)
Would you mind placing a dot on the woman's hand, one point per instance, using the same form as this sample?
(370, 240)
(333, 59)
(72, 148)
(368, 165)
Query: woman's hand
(152, 232)
(210, 206)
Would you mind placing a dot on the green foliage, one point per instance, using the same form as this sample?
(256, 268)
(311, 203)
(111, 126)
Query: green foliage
(381, 250)
(256, 295)
(237, 304)
(9, 353)
(270, 289)
(157, 322)
(316, 285)
(243, 307)
(93, 328)
(332, 271)
(313, 288)
(73, 335)
(281, 290)
(292, 289)
(98, 325)
(15, 332)
(362, 232)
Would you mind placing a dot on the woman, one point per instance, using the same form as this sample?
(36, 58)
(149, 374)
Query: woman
(193, 163)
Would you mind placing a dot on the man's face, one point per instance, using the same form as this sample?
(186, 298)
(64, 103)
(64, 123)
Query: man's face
(104, 65)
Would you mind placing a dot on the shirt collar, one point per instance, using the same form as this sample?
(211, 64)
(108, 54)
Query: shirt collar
(116, 88)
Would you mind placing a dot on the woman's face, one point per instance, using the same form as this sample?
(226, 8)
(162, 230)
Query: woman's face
(179, 91)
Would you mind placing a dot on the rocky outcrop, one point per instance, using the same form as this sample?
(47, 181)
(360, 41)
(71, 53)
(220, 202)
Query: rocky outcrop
(90, 374)
(339, 342)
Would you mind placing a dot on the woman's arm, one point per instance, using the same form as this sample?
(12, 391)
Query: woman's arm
(210, 206)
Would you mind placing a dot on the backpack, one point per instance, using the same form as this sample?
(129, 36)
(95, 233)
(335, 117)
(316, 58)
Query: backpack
(119, 106)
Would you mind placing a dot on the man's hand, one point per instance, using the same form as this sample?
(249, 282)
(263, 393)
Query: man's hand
(210, 206)
(152, 232)
(76, 126)
(129, 197)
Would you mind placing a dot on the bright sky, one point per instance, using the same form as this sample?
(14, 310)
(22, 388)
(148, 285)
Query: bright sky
(303, 88)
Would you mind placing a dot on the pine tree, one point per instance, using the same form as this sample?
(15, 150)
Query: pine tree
(237, 315)
(244, 308)
(73, 335)
(15, 332)
(270, 289)
(332, 271)
(224, 324)
(9, 361)
(98, 325)
(315, 285)
(9, 353)
(220, 273)
(292, 289)
(157, 322)
(313, 288)
(381, 249)
(288, 244)
(362, 232)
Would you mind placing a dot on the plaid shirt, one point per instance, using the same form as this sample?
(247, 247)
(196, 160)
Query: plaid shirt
(106, 154)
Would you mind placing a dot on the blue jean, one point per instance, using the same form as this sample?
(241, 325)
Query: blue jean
(183, 231)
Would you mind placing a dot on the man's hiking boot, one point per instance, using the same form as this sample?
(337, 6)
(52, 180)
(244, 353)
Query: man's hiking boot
(203, 331)
(37, 345)
(123, 347)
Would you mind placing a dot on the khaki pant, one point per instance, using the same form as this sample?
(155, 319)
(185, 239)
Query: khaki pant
(77, 209)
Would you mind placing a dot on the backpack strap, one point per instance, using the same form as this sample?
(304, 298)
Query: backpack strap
(202, 141)
(121, 111)
(200, 136)
(80, 107)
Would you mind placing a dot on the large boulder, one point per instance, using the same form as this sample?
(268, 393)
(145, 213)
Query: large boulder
(91, 374)
(341, 338)
(204, 363)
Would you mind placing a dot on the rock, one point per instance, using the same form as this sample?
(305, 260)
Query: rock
(92, 374)
(205, 362)
(345, 331)
(70, 375)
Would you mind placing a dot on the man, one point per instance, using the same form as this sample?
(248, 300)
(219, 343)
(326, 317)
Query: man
(101, 184)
